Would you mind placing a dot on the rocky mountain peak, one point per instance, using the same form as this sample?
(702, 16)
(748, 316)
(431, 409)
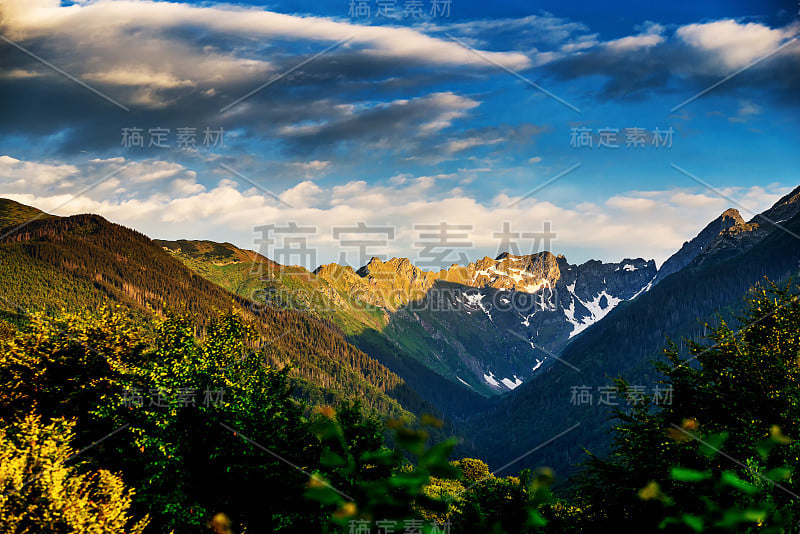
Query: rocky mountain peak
(744, 236)
(729, 234)
(526, 273)
(334, 271)
(396, 267)
(525, 257)
(700, 243)
(732, 213)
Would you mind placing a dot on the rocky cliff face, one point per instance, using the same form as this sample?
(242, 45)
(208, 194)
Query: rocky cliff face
(593, 289)
(494, 322)
(396, 282)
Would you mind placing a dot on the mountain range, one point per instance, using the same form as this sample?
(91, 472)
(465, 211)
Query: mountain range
(721, 266)
(487, 326)
(495, 347)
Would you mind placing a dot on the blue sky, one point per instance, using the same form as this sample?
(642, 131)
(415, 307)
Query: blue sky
(464, 118)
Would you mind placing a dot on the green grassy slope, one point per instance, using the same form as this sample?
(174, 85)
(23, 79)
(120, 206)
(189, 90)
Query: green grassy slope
(13, 213)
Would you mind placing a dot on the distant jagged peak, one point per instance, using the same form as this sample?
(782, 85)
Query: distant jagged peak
(728, 218)
(405, 265)
(328, 269)
(375, 260)
(732, 213)
(539, 263)
(397, 266)
(508, 271)
(522, 257)
(741, 237)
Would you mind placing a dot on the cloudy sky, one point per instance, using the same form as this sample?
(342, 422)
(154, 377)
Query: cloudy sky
(400, 114)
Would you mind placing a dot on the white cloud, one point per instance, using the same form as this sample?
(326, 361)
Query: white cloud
(471, 142)
(309, 169)
(31, 173)
(732, 43)
(303, 195)
(18, 74)
(746, 111)
(637, 223)
(97, 178)
(633, 204)
(749, 108)
(315, 165)
(651, 37)
(690, 54)
(698, 200)
(114, 43)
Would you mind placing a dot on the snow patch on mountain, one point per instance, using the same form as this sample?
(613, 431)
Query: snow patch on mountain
(514, 274)
(466, 384)
(512, 384)
(483, 272)
(491, 380)
(598, 308)
(533, 288)
(645, 289)
(526, 320)
(475, 300)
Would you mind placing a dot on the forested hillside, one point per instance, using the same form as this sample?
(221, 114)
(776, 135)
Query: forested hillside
(85, 262)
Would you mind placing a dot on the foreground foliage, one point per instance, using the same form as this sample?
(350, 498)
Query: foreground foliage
(43, 492)
(707, 462)
(207, 432)
(113, 425)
